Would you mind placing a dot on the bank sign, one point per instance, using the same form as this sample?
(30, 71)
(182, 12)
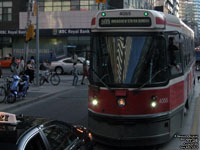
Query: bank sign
(71, 32)
(47, 32)
(12, 32)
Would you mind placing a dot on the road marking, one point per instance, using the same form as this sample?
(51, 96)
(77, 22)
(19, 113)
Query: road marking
(194, 130)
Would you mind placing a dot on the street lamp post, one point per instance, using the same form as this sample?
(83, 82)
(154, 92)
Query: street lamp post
(37, 43)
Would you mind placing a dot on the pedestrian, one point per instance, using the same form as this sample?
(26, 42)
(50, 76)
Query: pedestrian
(30, 71)
(14, 66)
(74, 58)
(33, 62)
(21, 66)
(75, 73)
(44, 69)
(45, 65)
(85, 71)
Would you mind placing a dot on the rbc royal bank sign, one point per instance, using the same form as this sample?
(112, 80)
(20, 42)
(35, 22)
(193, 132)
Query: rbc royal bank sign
(71, 32)
(48, 32)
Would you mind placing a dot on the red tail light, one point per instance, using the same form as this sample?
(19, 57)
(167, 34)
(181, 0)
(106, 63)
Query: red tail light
(93, 21)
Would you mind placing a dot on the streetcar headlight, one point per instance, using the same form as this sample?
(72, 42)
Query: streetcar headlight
(95, 101)
(121, 102)
(153, 102)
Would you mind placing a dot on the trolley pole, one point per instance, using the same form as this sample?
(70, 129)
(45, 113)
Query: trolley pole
(37, 44)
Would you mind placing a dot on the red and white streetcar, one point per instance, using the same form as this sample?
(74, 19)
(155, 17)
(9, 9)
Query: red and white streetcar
(139, 88)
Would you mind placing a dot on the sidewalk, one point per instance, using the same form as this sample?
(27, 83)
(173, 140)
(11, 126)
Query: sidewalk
(38, 93)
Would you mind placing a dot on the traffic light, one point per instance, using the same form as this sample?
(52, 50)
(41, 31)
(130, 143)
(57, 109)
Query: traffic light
(101, 1)
(30, 33)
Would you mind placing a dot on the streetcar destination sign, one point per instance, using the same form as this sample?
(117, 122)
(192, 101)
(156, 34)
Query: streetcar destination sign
(125, 22)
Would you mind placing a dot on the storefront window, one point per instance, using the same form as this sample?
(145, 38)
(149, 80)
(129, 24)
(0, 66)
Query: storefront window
(82, 44)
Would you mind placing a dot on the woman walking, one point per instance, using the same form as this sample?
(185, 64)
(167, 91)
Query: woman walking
(30, 71)
(14, 66)
(75, 73)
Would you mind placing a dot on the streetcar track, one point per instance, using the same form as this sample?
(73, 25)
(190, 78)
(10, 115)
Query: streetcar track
(194, 129)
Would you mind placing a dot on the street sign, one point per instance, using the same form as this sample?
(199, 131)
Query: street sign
(101, 1)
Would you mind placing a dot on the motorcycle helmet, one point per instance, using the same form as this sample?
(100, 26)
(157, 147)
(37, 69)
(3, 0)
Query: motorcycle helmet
(25, 77)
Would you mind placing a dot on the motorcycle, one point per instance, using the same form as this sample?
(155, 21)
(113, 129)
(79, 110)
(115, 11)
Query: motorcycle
(18, 88)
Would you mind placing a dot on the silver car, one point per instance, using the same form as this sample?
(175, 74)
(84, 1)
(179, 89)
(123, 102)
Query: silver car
(66, 65)
(33, 133)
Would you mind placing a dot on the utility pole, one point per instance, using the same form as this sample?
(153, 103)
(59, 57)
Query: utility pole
(26, 45)
(37, 43)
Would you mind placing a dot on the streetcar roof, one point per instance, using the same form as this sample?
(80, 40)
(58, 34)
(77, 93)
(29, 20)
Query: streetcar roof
(159, 21)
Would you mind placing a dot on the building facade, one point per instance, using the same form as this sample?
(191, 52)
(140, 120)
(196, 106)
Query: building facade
(189, 14)
(168, 6)
(196, 12)
(64, 25)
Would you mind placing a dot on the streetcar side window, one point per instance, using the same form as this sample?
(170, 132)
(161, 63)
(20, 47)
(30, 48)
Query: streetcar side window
(183, 48)
(188, 51)
(174, 55)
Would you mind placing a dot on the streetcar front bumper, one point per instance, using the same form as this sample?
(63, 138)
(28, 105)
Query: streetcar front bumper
(133, 130)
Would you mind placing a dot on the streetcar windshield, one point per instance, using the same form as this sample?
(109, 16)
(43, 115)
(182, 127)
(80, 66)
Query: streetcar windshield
(129, 59)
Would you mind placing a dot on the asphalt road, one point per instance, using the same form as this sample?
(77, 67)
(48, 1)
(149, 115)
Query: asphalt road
(71, 106)
(68, 106)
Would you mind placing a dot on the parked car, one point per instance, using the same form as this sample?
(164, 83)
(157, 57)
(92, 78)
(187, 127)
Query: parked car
(66, 65)
(6, 62)
(31, 133)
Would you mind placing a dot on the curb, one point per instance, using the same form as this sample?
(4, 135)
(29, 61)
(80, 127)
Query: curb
(25, 102)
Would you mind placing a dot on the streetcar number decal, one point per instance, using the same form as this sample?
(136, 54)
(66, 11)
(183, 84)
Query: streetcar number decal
(163, 100)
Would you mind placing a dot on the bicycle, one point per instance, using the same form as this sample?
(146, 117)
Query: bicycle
(48, 75)
(5, 92)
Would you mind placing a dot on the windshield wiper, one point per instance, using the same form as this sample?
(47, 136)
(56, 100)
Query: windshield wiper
(147, 82)
(101, 80)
